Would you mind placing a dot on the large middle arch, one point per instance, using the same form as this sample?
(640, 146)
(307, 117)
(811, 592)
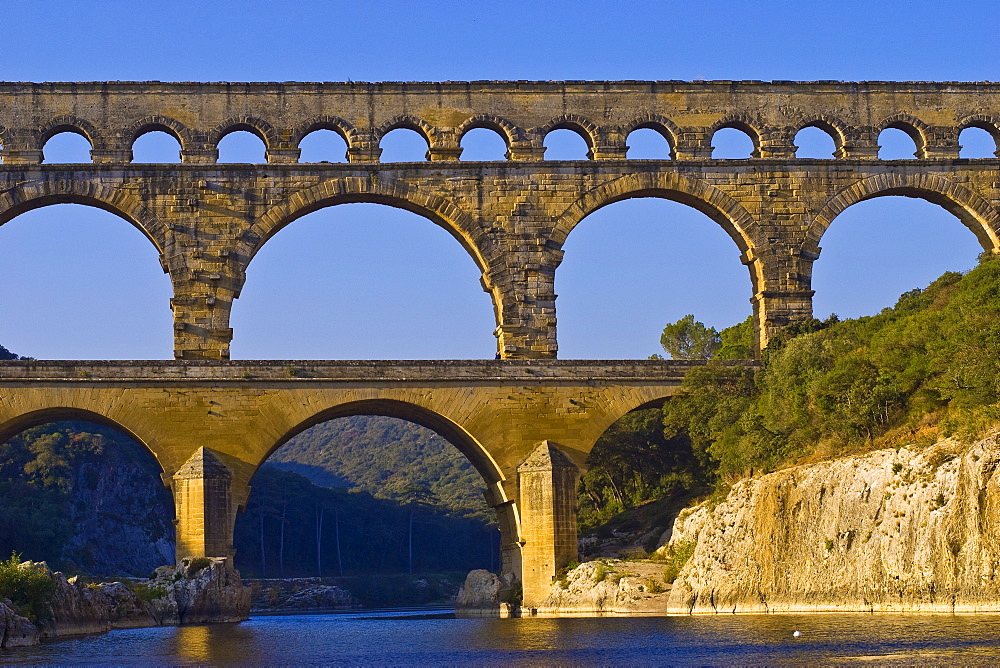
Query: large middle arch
(973, 210)
(353, 190)
(734, 219)
(717, 205)
(38, 194)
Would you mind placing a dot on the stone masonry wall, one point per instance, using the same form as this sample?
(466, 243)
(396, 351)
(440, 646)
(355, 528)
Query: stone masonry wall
(208, 220)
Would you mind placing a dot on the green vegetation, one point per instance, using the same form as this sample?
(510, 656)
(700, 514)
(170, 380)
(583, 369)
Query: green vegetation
(925, 368)
(28, 587)
(677, 556)
(75, 493)
(145, 593)
(7, 355)
(197, 564)
(688, 339)
(634, 462)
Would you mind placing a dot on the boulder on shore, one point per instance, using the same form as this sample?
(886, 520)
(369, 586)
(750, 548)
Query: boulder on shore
(197, 590)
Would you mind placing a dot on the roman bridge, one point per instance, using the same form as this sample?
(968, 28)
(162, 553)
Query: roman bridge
(526, 425)
(526, 421)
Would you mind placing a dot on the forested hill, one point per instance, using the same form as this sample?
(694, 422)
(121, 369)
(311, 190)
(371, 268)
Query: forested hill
(388, 458)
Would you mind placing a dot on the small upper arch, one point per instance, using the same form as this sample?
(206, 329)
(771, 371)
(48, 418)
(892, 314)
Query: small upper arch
(661, 124)
(745, 124)
(578, 124)
(262, 129)
(72, 124)
(834, 127)
(510, 132)
(915, 128)
(172, 127)
(407, 122)
(990, 124)
(332, 123)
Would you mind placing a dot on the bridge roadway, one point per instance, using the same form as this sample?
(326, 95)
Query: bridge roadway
(526, 425)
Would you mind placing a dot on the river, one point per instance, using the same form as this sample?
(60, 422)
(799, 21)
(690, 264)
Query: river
(436, 638)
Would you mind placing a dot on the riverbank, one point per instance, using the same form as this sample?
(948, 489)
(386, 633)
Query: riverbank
(909, 529)
(197, 590)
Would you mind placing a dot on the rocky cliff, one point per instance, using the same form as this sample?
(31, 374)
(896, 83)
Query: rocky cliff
(913, 529)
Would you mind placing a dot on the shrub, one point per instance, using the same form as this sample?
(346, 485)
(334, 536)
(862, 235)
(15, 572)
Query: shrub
(145, 593)
(600, 572)
(30, 588)
(677, 556)
(514, 595)
(197, 564)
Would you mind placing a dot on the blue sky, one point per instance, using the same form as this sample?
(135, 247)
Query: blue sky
(79, 283)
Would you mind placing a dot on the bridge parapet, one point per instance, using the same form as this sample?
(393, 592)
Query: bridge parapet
(319, 371)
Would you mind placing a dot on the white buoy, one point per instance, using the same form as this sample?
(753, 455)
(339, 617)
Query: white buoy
(797, 634)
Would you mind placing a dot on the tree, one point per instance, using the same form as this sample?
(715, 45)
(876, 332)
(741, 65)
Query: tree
(688, 339)
(7, 355)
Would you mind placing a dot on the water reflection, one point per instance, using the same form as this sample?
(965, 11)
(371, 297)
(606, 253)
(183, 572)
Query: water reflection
(214, 644)
(387, 639)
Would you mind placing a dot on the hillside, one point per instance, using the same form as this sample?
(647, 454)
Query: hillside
(387, 458)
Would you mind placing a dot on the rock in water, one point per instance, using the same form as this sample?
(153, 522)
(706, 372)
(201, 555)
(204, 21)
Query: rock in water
(482, 594)
(199, 590)
(15, 630)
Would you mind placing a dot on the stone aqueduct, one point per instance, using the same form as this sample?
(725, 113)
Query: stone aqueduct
(526, 421)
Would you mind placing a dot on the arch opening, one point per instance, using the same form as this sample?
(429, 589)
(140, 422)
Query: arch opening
(403, 145)
(859, 273)
(633, 463)
(483, 144)
(566, 143)
(242, 145)
(80, 285)
(624, 276)
(816, 143)
(733, 143)
(389, 489)
(648, 143)
(354, 294)
(323, 145)
(83, 494)
(67, 146)
(897, 143)
(156, 146)
(978, 142)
